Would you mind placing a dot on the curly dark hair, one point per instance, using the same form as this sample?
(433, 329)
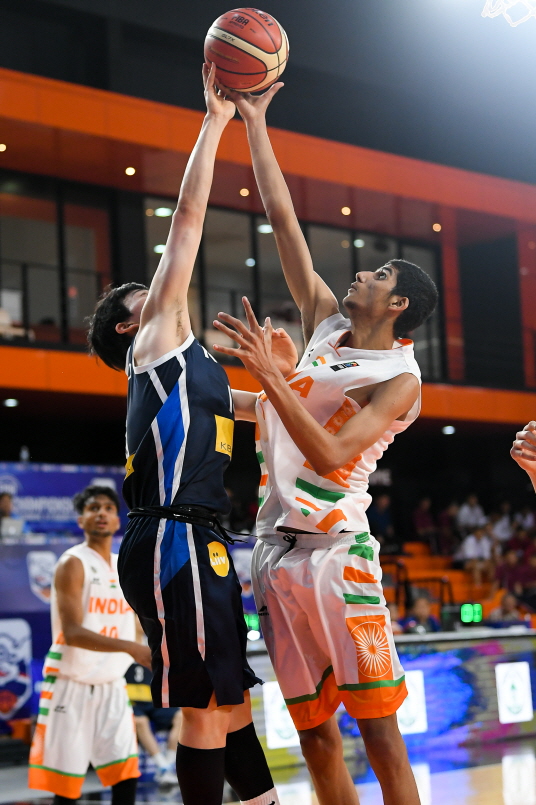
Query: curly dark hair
(102, 337)
(421, 291)
(81, 498)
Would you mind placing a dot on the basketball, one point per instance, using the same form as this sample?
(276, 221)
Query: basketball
(249, 49)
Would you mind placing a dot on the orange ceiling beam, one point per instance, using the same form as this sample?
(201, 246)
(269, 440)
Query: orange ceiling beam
(99, 116)
(77, 373)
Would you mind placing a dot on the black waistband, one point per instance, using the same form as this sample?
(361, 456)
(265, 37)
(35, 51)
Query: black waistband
(195, 515)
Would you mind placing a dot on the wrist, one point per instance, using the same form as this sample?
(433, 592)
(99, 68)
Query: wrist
(272, 379)
(216, 119)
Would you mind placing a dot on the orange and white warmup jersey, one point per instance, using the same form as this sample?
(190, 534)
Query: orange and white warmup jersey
(84, 712)
(319, 593)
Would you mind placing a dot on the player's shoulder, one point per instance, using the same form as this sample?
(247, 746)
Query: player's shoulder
(336, 323)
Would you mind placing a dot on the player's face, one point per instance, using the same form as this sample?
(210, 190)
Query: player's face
(100, 517)
(371, 291)
(135, 302)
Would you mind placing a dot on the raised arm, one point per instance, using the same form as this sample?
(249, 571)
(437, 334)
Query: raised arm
(313, 297)
(165, 323)
(524, 451)
(69, 583)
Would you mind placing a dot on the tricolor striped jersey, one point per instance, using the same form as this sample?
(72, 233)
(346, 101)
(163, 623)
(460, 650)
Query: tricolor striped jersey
(292, 495)
(180, 421)
(106, 612)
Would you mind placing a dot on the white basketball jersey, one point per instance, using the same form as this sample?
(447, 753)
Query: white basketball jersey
(106, 612)
(291, 494)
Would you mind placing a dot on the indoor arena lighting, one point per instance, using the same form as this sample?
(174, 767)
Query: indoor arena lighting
(345, 244)
(11, 402)
(346, 210)
(3, 147)
(244, 192)
(250, 262)
(253, 634)
(448, 430)
(359, 243)
(130, 171)
(163, 212)
(436, 227)
(159, 248)
(264, 229)
(149, 212)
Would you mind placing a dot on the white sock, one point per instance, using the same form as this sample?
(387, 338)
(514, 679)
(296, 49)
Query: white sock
(170, 756)
(268, 798)
(160, 760)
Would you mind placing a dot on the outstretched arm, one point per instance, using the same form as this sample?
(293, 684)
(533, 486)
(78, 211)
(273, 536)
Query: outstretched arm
(165, 322)
(325, 452)
(312, 296)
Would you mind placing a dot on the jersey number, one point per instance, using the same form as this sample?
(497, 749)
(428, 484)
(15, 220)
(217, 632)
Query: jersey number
(109, 631)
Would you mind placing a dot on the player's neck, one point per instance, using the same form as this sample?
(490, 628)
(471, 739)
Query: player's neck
(369, 334)
(101, 545)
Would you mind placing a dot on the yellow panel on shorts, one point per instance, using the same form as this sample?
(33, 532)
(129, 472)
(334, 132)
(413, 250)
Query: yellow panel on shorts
(129, 469)
(224, 434)
(219, 559)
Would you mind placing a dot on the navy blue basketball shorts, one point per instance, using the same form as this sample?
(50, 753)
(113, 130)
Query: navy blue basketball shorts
(181, 582)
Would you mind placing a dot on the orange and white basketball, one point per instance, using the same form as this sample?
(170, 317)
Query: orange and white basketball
(249, 49)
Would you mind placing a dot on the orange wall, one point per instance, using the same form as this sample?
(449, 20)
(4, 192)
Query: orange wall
(77, 373)
(58, 111)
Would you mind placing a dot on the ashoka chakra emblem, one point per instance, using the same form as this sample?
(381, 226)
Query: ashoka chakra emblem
(372, 647)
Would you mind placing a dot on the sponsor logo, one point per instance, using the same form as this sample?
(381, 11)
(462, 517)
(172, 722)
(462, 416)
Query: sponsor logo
(60, 708)
(15, 666)
(219, 558)
(11, 484)
(41, 566)
(348, 365)
(129, 469)
(263, 611)
(224, 434)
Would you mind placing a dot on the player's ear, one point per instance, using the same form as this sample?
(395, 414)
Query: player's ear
(80, 520)
(127, 327)
(398, 303)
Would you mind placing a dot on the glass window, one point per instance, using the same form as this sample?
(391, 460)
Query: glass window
(331, 250)
(427, 337)
(373, 251)
(29, 273)
(276, 300)
(228, 267)
(87, 256)
(158, 212)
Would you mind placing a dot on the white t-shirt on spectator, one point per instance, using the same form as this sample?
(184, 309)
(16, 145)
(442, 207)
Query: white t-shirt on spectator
(526, 520)
(503, 528)
(471, 516)
(473, 548)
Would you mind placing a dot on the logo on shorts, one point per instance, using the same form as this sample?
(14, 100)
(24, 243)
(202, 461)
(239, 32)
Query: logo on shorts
(219, 558)
(338, 366)
(263, 611)
(60, 708)
(372, 647)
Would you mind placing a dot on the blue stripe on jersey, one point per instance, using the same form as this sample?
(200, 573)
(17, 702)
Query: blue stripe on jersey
(174, 552)
(171, 428)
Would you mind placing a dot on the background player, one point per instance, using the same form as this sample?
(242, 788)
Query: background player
(174, 568)
(353, 391)
(84, 712)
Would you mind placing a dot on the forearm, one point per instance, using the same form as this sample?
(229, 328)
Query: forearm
(197, 181)
(272, 186)
(80, 637)
(244, 405)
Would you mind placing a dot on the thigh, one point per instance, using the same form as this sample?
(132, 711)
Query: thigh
(357, 625)
(114, 753)
(61, 748)
(286, 605)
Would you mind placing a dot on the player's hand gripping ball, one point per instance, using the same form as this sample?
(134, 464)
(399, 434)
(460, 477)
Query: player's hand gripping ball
(249, 49)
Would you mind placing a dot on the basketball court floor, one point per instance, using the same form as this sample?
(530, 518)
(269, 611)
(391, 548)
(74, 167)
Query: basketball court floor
(503, 774)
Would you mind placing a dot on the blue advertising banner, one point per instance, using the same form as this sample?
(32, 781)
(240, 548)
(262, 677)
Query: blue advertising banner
(42, 493)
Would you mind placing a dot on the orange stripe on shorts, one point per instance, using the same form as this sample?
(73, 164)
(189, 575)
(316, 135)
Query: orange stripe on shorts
(264, 480)
(308, 503)
(331, 519)
(354, 574)
(46, 694)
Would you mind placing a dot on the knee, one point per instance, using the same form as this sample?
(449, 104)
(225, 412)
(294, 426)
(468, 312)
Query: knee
(319, 743)
(382, 739)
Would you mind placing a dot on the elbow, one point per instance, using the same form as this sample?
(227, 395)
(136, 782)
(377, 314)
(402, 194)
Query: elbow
(189, 211)
(323, 465)
(70, 635)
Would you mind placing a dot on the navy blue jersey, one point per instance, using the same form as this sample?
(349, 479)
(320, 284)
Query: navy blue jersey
(180, 421)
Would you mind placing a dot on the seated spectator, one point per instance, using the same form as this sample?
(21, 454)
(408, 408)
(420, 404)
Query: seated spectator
(420, 620)
(528, 582)
(509, 574)
(147, 717)
(380, 521)
(507, 612)
(395, 617)
(471, 515)
(449, 537)
(11, 527)
(503, 526)
(520, 542)
(424, 525)
(525, 517)
(476, 555)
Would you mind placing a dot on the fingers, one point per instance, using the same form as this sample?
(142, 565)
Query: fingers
(252, 319)
(234, 353)
(236, 323)
(527, 436)
(211, 76)
(274, 89)
(229, 93)
(268, 331)
(231, 333)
